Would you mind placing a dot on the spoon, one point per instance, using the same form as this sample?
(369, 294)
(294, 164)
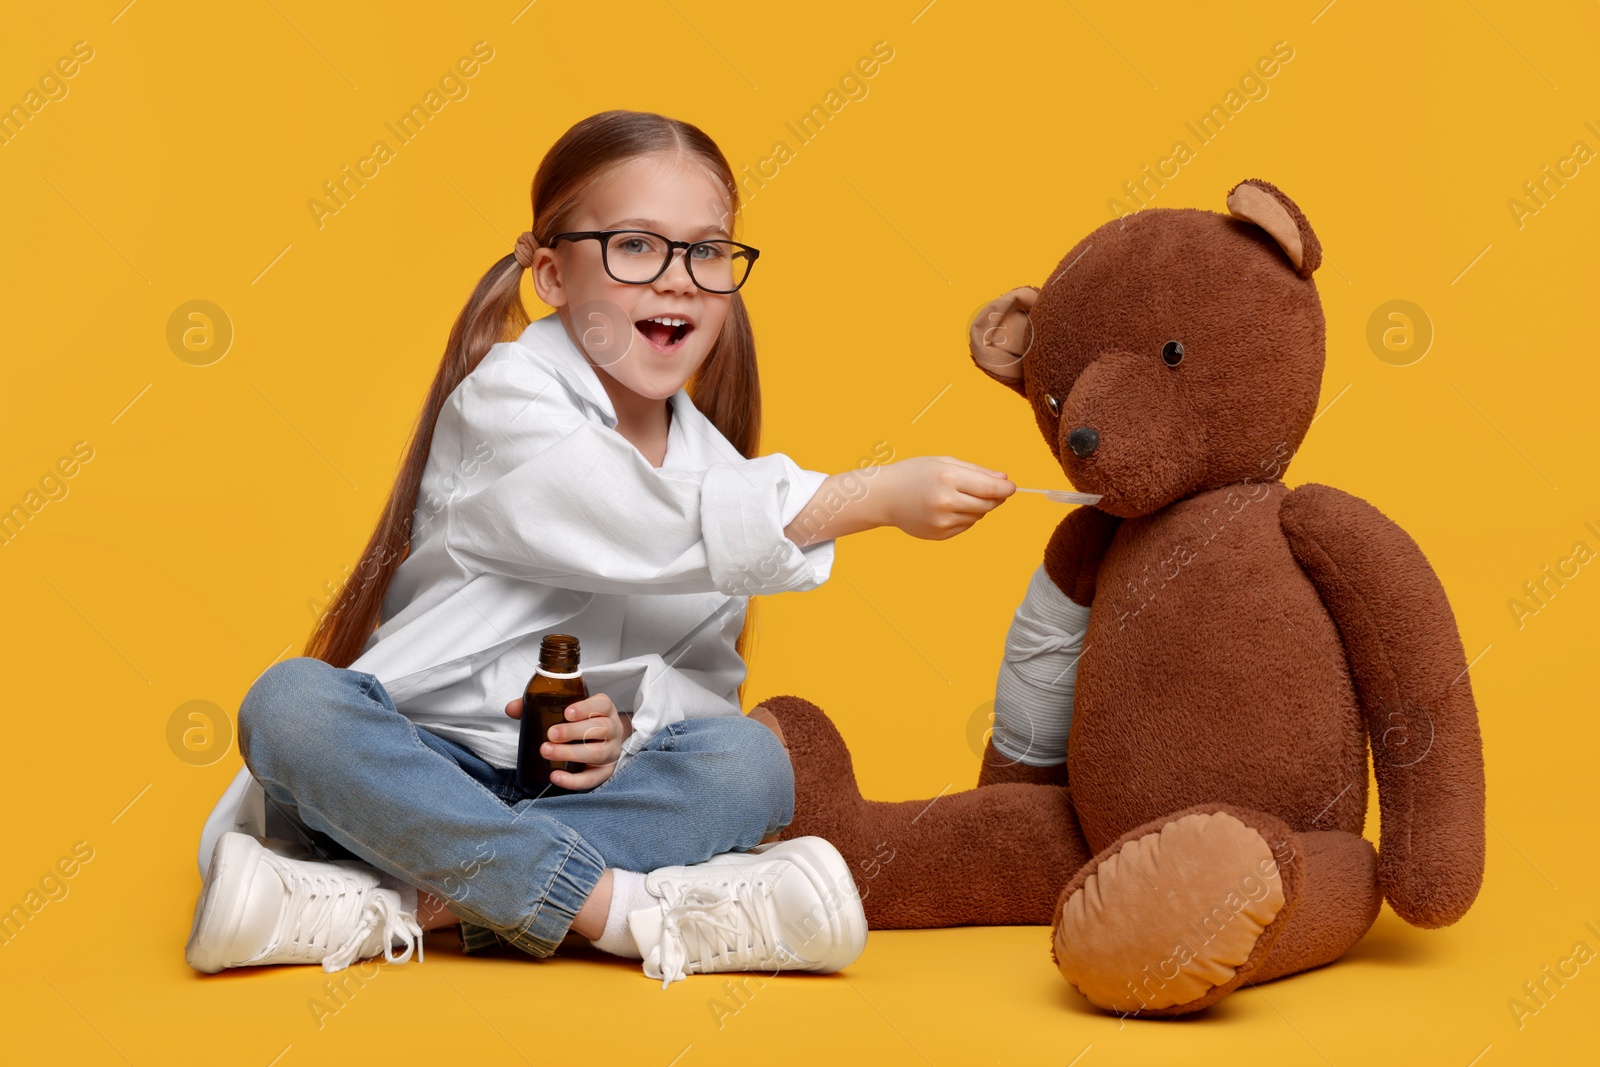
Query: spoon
(1064, 496)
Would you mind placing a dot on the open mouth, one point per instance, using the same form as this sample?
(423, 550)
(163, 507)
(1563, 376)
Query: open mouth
(664, 333)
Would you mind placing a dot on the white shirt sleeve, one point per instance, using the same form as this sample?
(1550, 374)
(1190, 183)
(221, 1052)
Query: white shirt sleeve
(1033, 693)
(569, 502)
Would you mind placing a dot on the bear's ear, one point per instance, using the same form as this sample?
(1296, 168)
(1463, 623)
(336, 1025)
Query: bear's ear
(1264, 204)
(1001, 334)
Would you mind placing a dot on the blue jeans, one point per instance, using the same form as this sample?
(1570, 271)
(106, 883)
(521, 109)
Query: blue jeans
(333, 754)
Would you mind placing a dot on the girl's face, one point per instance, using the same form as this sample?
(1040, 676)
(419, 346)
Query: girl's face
(606, 318)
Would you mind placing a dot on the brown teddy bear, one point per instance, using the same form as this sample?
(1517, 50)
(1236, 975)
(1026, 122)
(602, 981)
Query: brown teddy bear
(1245, 642)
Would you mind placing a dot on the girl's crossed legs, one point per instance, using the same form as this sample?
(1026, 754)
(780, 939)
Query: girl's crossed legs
(333, 754)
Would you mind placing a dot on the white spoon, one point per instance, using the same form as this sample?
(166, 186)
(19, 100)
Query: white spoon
(1065, 496)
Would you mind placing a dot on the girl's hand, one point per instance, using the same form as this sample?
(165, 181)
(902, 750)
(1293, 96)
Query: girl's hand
(593, 734)
(937, 497)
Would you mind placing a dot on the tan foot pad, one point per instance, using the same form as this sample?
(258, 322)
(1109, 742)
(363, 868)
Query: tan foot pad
(1170, 915)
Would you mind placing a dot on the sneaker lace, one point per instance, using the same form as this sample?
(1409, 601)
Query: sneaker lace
(379, 913)
(327, 903)
(708, 928)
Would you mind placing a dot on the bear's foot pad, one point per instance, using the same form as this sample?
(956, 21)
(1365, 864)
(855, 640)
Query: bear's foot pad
(1169, 916)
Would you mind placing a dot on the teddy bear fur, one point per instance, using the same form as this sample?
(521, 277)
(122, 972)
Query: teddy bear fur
(1246, 642)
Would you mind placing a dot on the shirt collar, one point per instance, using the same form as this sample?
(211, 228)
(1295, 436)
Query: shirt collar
(548, 336)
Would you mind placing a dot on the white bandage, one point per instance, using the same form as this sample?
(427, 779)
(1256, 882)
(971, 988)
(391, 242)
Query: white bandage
(1033, 694)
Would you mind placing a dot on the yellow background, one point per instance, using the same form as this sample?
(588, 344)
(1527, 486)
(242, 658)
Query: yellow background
(220, 499)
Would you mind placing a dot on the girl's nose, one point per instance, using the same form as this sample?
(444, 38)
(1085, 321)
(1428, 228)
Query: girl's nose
(677, 276)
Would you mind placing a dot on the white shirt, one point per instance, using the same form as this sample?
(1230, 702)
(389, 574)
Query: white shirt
(535, 516)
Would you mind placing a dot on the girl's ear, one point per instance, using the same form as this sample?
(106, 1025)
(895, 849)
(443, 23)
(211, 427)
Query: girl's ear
(546, 278)
(1264, 204)
(1001, 334)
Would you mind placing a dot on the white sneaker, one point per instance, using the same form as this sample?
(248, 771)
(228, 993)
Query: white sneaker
(785, 905)
(262, 905)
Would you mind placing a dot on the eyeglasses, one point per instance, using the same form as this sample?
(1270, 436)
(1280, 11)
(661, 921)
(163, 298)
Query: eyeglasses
(639, 257)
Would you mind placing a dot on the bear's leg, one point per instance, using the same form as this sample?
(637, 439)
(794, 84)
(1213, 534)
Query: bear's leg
(995, 856)
(1177, 913)
(1338, 904)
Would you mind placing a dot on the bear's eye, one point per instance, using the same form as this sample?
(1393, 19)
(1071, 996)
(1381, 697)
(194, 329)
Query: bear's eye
(1053, 404)
(1172, 353)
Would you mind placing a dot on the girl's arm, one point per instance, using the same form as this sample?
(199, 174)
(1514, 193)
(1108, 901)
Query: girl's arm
(932, 497)
(566, 501)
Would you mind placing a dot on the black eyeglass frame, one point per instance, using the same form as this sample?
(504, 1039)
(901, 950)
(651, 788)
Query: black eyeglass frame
(604, 237)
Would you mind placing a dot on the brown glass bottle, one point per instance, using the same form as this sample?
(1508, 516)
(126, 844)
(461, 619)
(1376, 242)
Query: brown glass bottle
(556, 682)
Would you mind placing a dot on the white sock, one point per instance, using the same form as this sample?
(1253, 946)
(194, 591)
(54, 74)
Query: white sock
(408, 900)
(407, 891)
(407, 894)
(627, 894)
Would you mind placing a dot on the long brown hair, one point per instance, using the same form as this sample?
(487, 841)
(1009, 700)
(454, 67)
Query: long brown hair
(725, 388)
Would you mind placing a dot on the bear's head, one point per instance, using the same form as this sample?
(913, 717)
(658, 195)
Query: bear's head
(1171, 351)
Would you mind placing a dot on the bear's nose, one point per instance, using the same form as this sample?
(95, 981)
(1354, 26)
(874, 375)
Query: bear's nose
(1083, 440)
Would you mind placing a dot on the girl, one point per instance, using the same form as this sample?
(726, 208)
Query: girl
(567, 481)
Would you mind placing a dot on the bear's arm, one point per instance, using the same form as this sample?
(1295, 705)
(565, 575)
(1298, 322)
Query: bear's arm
(1410, 673)
(1072, 557)
(1072, 561)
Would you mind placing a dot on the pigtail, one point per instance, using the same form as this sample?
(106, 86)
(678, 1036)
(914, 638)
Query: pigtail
(493, 314)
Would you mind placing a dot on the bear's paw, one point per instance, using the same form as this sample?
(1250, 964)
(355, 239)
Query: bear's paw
(1166, 921)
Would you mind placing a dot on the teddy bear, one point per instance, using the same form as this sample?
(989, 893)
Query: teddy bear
(1247, 646)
